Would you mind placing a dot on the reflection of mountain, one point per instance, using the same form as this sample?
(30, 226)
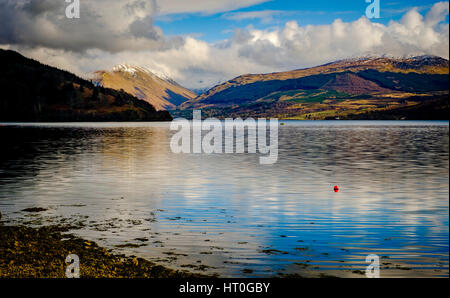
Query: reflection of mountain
(64, 152)
(31, 91)
(162, 93)
(339, 89)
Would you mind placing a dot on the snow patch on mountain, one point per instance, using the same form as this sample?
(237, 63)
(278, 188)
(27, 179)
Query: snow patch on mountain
(134, 71)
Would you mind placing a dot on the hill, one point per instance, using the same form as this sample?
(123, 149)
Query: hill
(336, 90)
(31, 91)
(163, 93)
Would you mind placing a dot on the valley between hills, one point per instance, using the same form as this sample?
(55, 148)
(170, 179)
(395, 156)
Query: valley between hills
(372, 88)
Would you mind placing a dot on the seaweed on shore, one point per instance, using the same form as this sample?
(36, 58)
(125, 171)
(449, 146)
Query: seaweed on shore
(41, 253)
(34, 209)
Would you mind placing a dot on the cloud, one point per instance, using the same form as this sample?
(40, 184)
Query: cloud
(203, 6)
(266, 16)
(437, 14)
(109, 25)
(111, 39)
(293, 46)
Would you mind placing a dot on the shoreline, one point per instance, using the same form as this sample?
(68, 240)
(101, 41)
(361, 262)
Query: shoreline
(41, 252)
(27, 252)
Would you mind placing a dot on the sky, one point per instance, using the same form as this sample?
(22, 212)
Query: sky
(216, 26)
(200, 43)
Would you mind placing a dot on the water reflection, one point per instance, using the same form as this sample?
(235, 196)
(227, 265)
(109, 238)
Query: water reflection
(229, 212)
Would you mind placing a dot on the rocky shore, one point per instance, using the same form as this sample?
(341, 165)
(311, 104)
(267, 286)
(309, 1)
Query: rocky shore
(41, 253)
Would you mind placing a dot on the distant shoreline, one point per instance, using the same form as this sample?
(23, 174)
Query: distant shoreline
(280, 119)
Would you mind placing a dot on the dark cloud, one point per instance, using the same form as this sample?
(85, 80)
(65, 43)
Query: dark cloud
(7, 31)
(108, 25)
(144, 28)
(136, 6)
(35, 8)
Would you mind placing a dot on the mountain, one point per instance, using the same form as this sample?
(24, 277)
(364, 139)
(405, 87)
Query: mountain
(162, 92)
(200, 91)
(31, 91)
(341, 89)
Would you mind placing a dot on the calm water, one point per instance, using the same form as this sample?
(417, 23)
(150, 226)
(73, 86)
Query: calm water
(121, 185)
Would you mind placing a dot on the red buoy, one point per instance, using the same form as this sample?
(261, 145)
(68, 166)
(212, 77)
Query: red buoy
(336, 188)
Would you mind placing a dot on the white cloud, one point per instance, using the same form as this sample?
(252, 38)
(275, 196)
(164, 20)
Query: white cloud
(195, 63)
(265, 16)
(203, 6)
(294, 46)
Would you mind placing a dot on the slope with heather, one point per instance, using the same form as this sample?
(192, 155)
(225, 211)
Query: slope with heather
(339, 89)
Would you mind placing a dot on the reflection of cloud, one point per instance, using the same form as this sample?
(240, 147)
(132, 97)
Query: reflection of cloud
(394, 183)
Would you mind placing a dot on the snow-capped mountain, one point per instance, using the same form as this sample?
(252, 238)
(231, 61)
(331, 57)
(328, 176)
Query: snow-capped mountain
(156, 88)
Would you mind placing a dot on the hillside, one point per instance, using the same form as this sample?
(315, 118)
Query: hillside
(32, 91)
(339, 89)
(162, 93)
